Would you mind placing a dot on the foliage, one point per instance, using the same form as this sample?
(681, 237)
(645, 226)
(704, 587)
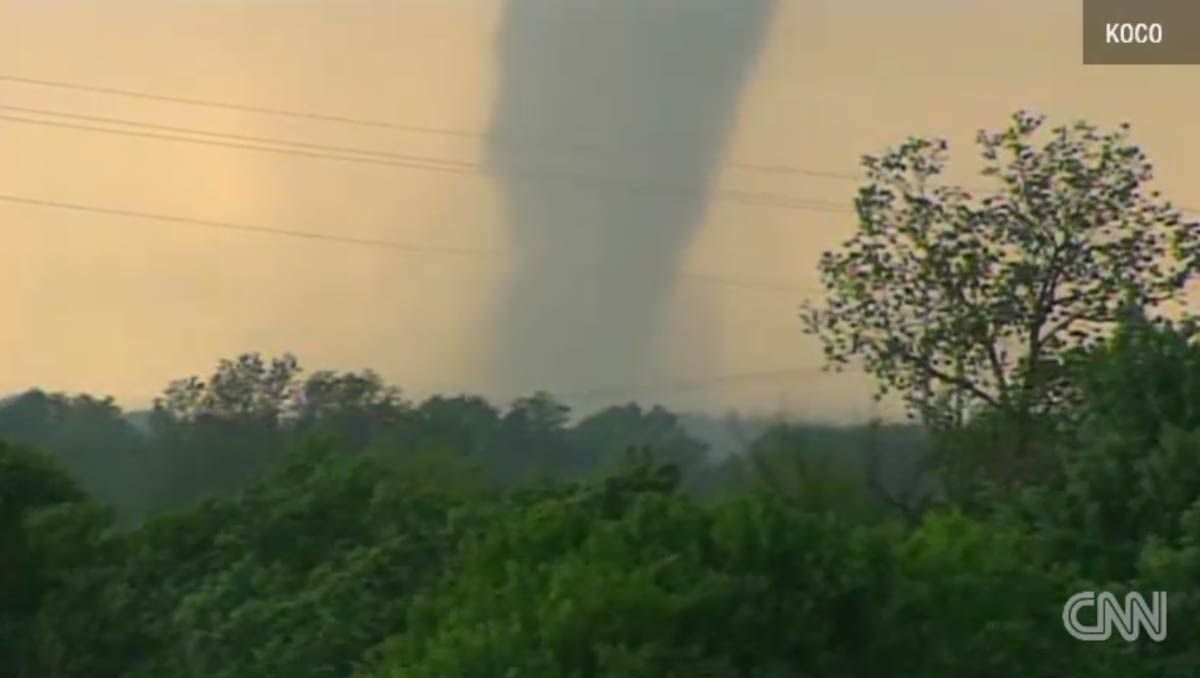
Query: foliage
(582, 584)
(29, 483)
(395, 563)
(87, 436)
(959, 302)
(1128, 472)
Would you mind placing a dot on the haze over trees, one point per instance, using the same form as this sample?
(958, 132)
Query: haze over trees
(265, 522)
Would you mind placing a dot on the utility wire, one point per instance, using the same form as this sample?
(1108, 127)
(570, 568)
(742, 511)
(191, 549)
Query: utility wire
(374, 123)
(348, 150)
(435, 164)
(428, 164)
(242, 146)
(381, 124)
(246, 228)
(150, 96)
(368, 242)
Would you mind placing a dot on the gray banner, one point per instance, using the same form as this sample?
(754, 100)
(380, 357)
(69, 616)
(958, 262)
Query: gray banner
(1141, 31)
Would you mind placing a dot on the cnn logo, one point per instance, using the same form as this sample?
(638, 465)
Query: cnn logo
(1129, 619)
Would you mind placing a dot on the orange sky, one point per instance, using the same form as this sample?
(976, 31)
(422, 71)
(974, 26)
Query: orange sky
(111, 305)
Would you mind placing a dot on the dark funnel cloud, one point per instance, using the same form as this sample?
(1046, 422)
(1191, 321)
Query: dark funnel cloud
(629, 103)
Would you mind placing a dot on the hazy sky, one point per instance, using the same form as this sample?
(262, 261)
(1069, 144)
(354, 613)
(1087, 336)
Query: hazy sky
(113, 305)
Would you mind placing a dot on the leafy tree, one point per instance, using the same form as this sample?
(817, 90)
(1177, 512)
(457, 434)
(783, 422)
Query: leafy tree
(624, 578)
(865, 472)
(214, 436)
(466, 425)
(534, 440)
(815, 477)
(29, 482)
(983, 599)
(1143, 379)
(88, 436)
(300, 574)
(246, 387)
(959, 302)
(1128, 473)
(609, 434)
(81, 627)
(326, 554)
(1173, 566)
(357, 408)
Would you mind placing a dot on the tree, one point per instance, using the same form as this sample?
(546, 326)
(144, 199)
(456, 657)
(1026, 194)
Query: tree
(463, 425)
(29, 482)
(534, 440)
(813, 468)
(243, 388)
(88, 436)
(212, 436)
(961, 302)
(1005, 619)
(1129, 468)
(607, 436)
(319, 564)
(357, 407)
(624, 577)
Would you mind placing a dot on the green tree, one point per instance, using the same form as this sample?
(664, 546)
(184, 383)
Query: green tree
(1128, 471)
(624, 577)
(356, 408)
(214, 436)
(534, 441)
(466, 425)
(811, 468)
(246, 387)
(29, 482)
(1174, 566)
(984, 599)
(321, 562)
(89, 437)
(960, 302)
(608, 435)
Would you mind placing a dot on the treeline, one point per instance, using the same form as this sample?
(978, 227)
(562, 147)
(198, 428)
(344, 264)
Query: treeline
(335, 555)
(209, 437)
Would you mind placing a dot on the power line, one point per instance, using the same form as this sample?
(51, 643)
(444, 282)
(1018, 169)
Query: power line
(368, 242)
(349, 150)
(424, 129)
(427, 164)
(377, 124)
(241, 146)
(445, 165)
(150, 96)
(246, 228)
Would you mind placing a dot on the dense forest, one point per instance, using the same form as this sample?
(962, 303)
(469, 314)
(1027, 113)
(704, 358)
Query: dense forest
(260, 522)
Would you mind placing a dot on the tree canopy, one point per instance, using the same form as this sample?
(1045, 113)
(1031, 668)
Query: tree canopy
(961, 299)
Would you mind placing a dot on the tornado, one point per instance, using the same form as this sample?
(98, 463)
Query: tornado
(610, 121)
